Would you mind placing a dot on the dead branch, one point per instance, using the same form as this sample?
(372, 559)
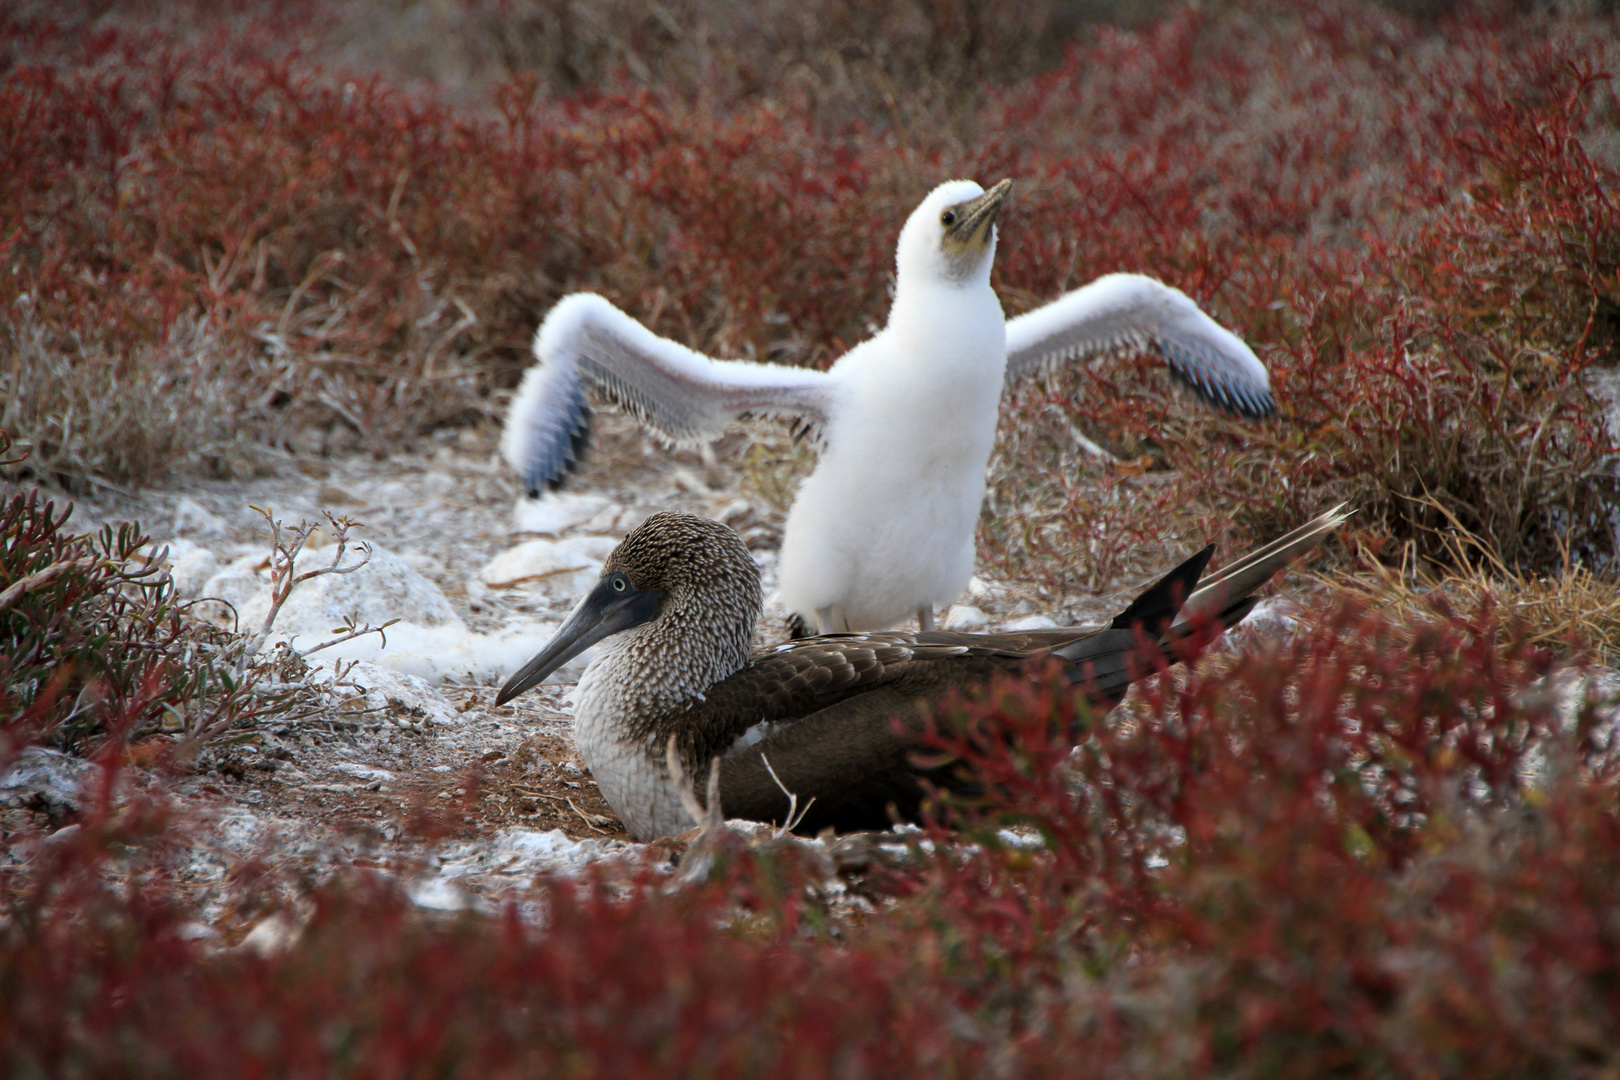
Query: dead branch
(285, 578)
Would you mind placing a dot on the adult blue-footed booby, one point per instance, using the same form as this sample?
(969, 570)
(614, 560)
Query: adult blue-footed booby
(674, 610)
(883, 528)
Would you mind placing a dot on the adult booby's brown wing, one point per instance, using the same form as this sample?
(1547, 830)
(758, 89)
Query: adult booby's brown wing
(821, 712)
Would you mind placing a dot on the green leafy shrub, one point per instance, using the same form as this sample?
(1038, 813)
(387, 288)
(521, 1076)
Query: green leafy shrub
(92, 642)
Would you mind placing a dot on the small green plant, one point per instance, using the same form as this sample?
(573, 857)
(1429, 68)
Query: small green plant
(92, 638)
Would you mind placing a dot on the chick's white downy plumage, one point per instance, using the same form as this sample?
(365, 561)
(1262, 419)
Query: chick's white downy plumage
(883, 528)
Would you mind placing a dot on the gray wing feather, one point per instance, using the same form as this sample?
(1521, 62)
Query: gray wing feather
(1132, 311)
(587, 344)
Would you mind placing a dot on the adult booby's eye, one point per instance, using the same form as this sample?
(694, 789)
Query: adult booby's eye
(618, 584)
(948, 218)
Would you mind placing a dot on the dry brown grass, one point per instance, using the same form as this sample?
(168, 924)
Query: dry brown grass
(1571, 610)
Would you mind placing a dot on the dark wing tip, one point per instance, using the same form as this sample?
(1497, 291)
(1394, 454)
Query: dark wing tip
(1156, 607)
(1247, 402)
(564, 451)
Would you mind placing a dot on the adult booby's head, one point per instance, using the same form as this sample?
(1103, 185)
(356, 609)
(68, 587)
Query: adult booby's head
(951, 237)
(686, 580)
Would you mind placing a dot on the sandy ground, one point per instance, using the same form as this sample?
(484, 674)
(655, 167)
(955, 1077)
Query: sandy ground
(397, 760)
(404, 764)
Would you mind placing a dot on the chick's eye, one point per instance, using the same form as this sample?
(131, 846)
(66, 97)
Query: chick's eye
(948, 218)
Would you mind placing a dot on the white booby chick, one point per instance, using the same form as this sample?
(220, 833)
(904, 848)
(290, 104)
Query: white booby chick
(883, 528)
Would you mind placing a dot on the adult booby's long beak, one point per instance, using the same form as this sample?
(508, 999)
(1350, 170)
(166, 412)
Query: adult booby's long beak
(612, 606)
(975, 217)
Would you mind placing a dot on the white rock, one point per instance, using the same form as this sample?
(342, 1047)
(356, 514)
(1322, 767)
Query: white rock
(49, 775)
(965, 619)
(386, 587)
(529, 851)
(192, 571)
(426, 565)
(434, 653)
(557, 512)
(237, 583)
(559, 568)
(1273, 618)
(364, 772)
(274, 934)
(1032, 622)
(381, 493)
(388, 688)
(173, 549)
(437, 485)
(438, 894)
(1604, 385)
(510, 860)
(616, 520)
(192, 518)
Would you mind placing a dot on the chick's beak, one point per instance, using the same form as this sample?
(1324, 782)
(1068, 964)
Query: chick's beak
(976, 216)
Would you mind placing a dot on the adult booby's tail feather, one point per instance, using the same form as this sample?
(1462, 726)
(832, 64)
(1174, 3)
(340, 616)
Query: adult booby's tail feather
(1227, 595)
(588, 344)
(1103, 659)
(1130, 310)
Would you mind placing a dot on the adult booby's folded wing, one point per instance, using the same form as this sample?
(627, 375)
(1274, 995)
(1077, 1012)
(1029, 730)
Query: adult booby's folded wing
(1132, 310)
(683, 395)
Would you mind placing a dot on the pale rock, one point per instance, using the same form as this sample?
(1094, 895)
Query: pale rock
(192, 571)
(438, 894)
(1273, 618)
(414, 492)
(557, 512)
(275, 934)
(616, 520)
(396, 694)
(530, 851)
(965, 619)
(1032, 622)
(427, 565)
(437, 485)
(1604, 386)
(430, 641)
(434, 653)
(386, 587)
(189, 564)
(556, 568)
(363, 772)
(239, 581)
(320, 536)
(48, 776)
(192, 518)
(510, 860)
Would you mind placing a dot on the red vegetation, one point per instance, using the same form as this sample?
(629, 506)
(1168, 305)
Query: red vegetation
(1377, 850)
(92, 642)
(1423, 251)
(1372, 852)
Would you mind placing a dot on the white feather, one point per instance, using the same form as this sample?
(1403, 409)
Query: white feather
(1132, 310)
(885, 523)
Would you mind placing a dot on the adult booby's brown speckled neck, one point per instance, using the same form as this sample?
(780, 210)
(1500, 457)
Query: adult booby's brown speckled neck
(675, 608)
